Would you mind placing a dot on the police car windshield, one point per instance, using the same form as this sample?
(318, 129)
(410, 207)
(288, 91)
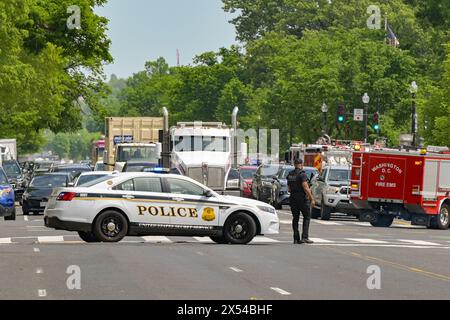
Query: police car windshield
(96, 181)
(339, 175)
(49, 181)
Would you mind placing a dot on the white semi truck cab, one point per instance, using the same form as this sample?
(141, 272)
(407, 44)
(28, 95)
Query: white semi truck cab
(202, 151)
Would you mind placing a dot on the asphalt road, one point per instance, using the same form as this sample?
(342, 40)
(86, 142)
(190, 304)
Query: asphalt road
(414, 263)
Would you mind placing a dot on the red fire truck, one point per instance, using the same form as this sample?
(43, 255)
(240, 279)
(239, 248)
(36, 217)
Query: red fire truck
(414, 186)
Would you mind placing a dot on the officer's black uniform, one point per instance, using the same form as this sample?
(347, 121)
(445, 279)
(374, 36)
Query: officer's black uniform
(299, 202)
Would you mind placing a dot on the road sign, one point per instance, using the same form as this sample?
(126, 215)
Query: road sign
(358, 115)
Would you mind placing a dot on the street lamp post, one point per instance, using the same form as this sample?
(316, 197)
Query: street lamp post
(325, 112)
(366, 100)
(413, 90)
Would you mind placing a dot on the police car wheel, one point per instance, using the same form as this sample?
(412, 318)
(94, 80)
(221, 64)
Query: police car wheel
(88, 237)
(110, 226)
(12, 217)
(219, 240)
(239, 228)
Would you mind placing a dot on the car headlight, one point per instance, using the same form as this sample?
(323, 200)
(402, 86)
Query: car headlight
(5, 192)
(332, 190)
(267, 209)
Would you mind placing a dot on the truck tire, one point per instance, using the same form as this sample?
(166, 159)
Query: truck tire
(12, 217)
(325, 211)
(110, 226)
(383, 221)
(88, 237)
(219, 240)
(240, 228)
(441, 221)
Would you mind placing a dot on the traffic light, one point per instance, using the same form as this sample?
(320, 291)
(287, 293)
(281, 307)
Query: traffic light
(341, 116)
(376, 121)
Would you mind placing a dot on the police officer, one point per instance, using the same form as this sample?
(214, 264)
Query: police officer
(300, 193)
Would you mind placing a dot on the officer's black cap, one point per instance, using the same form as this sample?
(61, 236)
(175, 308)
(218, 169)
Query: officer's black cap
(298, 161)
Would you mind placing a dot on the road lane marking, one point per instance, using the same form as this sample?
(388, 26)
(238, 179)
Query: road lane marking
(156, 239)
(281, 291)
(262, 239)
(369, 241)
(42, 293)
(328, 223)
(36, 250)
(5, 241)
(319, 240)
(25, 218)
(39, 271)
(50, 239)
(236, 269)
(420, 242)
(394, 264)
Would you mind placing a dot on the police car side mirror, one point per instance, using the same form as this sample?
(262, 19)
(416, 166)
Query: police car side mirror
(207, 193)
(71, 184)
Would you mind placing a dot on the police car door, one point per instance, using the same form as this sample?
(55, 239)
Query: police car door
(193, 207)
(145, 201)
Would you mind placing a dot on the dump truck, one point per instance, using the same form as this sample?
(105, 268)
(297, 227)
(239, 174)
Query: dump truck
(132, 139)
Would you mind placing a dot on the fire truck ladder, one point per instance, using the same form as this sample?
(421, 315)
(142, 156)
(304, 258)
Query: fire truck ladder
(356, 192)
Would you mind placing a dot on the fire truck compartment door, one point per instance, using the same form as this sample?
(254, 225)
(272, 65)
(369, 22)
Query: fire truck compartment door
(386, 178)
(430, 179)
(444, 176)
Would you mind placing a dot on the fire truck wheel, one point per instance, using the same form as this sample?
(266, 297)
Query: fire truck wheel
(442, 220)
(383, 221)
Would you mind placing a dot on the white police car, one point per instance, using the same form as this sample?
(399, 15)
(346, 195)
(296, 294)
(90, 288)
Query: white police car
(141, 204)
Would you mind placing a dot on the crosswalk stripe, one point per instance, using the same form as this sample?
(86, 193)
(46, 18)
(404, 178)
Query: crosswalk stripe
(5, 241)
(157, 239)
(285, 222)
(203, 239)
(319, 240)
(328, 223)
(366, 240)
(420, 242)
(50, 239)
(363, 224)
(264, 240)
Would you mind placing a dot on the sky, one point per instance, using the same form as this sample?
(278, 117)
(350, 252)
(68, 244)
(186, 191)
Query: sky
(143, 30)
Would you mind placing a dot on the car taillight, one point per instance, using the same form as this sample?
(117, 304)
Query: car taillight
(66, 196)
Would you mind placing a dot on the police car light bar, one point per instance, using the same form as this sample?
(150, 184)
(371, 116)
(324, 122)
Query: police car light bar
(157, 170)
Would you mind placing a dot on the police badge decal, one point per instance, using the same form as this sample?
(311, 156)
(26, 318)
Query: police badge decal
(208, 214)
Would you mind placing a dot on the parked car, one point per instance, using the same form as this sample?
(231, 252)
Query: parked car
(246, 174)
(233, 179)
(86, 177)
(72, 169)
(40, 188)
(7, 198)
(100, 166)
(331, 191)
(262, 181)
(280, 193)
(15, 177)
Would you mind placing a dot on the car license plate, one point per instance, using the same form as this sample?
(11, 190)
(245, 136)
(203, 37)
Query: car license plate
(44, 204)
